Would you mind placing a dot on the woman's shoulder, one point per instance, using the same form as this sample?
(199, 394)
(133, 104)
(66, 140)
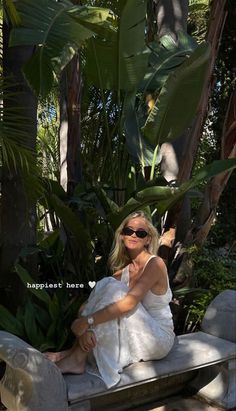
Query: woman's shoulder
(157, 262)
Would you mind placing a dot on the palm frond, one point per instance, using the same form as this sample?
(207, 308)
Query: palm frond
(11, 12)
(58, 29)
(14, 147)
(120, 61)
(177, 102)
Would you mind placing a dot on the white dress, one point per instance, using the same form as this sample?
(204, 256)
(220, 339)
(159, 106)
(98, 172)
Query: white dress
(145, 333)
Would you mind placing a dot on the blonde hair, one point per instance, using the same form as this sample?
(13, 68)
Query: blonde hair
(119, 257)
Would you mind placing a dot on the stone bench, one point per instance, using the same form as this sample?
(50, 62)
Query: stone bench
(204, 361)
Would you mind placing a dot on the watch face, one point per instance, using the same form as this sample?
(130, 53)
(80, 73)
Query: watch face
(90, 320)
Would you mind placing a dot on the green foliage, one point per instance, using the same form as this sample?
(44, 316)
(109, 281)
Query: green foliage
(214, 269)
(139, 149)
(80, 228)
(48, 156)
(41, 294)
(176, 71)
(99, 203)
(163, 198)
(196, 5)
(165, 56)
(9, 322)
(213, 272)
(15, 151)
(44, 319)
(198, 19)
(12, 13)
(223, 231)
(177, 102)
(120, 60)
(58, 30)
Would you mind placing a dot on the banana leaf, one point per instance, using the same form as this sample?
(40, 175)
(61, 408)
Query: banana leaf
(140, 150)
(11, 12)
(32, 329)
(165, 57)
(72, 224)
(90, 17)
(58, 29)
(140, 201)
(54, 308)
(43, 318)
(163, 198)
(121, 61)
(9, 323)
(41, 294)
(177, 102)
(50, 240)
(108, 205)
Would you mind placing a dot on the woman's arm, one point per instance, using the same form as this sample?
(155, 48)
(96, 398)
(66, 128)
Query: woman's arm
(153, 272)
(81, 308)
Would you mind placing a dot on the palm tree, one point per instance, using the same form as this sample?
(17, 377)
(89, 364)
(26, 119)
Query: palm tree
(18, 223)
(18, 219)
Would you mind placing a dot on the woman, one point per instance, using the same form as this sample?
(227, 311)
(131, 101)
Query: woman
(127, 317)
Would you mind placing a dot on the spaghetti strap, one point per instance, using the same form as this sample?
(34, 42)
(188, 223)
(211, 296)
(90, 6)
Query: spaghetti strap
(125, 271)
(145, 265)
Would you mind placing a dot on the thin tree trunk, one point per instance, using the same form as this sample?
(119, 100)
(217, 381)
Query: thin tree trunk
(18, 220)
(70, 130)
(171, 17)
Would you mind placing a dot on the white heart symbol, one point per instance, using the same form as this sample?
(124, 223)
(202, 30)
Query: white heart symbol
(92, 284)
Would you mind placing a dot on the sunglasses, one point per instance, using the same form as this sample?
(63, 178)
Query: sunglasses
(139, 233)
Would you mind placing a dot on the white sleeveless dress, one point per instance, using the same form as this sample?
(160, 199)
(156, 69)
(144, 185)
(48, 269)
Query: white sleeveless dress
(145, 333)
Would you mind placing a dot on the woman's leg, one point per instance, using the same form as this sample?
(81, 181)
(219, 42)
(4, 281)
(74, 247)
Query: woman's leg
(75, 361)
(56, 356)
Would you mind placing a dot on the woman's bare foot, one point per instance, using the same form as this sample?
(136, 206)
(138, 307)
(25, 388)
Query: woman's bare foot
(56, 356)
(74, 362)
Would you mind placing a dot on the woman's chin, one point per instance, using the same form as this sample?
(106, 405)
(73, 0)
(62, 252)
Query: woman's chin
(133, 246)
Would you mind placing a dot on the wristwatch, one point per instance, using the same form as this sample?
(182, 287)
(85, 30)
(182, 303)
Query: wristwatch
(90, 321)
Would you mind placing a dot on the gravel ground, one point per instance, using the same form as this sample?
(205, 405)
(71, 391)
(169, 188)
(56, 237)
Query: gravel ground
(175, 404)
(180, 404)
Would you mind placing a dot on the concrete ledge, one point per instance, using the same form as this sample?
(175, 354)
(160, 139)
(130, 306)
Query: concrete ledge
(32, 383)
(190, 352)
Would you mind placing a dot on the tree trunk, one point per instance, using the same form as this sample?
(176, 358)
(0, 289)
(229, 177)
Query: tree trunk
(171, 17)
(18, 220)
(70, 130)
(186, 147)
(215, 187)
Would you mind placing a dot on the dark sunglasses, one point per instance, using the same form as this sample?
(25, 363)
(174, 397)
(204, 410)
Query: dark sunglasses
(130, 231)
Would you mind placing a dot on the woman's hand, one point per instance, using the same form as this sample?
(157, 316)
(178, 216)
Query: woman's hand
(87, 341)
(79, 326)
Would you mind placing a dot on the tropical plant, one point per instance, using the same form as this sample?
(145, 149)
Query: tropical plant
(24, 103)
(46, 24)
(44, 319)
(102, 215)
(136, 106)
(214, 272)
